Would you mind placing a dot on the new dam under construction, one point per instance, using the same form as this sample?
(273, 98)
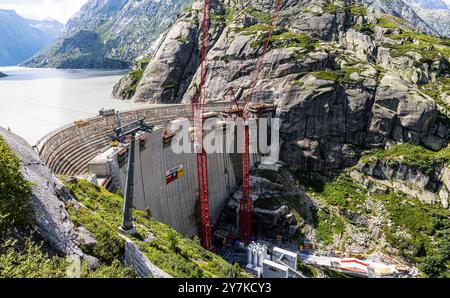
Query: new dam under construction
(165, 183)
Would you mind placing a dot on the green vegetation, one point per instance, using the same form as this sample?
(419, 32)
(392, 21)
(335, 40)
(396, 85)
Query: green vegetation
(136, 75)
(342, 76)
(390, 22)
(178, 256)
(182, 39)
(343, 193)
(14, 190)
(420, 232)
(297, 83)
(270, 175)
(29, 262)
(262, 17)
(410, 155)
(331, 8)
(169, 85)
(357, 10)
(428, 232)
(307, 270)
(365, 28)
(431, 48)
(327, 75)
(292, 39)
(436, 89)
(253, 29)
(328, 225)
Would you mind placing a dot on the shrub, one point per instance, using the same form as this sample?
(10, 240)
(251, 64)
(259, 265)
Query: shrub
(173, 253)
(410, 155)
(29, 262)
(14, 190)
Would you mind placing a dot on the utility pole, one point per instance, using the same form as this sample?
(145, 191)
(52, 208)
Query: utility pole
(122, 133)
(127, 218)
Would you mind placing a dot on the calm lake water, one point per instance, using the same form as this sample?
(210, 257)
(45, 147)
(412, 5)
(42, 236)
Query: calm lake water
(34, 102)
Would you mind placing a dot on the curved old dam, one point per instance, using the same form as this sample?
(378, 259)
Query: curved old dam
(83, 149)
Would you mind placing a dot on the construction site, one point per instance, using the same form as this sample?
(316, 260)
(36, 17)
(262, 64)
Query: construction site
(132, 152)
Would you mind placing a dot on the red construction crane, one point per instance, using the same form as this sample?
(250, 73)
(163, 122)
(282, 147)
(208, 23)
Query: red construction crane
(198, 117)
(246, 202)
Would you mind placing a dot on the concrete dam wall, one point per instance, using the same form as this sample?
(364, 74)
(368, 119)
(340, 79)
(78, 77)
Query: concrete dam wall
(174, 201)
(69, 149)
(82, 148)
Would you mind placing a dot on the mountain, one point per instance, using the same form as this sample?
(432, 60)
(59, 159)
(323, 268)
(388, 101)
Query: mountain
(363, 99)
(431, 17)
(50, 27)
(21, 38)
(109, 33)
(432, 4)
(436, 14)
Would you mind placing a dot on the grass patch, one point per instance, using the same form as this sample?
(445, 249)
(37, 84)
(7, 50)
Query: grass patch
(431, 48)
(368, 29)
(410, 155)
(342, 76)
(173, 253)
(28, 260)
(331, 8)
(135, 75)
(327, 226)
(390, 22)
(357, 10)
(343, 193)
(437, 89)
(428, 232)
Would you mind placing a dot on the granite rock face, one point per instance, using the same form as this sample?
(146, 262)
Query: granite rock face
(344, 78)
(50, 218)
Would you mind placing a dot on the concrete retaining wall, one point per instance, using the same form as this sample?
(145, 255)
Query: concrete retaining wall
(135, 259)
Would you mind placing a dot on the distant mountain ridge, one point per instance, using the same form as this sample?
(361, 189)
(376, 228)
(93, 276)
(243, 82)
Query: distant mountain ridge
(109, 34)
(21, 38)
(429, 16)
(436, 13)
(432, 4)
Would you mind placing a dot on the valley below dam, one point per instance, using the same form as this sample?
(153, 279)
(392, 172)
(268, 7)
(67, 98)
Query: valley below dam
(36, 101)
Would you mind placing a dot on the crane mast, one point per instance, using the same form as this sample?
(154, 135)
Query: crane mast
(246, 202)
(198, 117)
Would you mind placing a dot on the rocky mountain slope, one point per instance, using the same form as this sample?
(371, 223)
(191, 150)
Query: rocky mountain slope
(109, 33)
(363, 98)
(21, 38)
(342, 77)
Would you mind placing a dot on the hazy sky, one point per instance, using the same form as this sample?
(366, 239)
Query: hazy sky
(60, 10)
